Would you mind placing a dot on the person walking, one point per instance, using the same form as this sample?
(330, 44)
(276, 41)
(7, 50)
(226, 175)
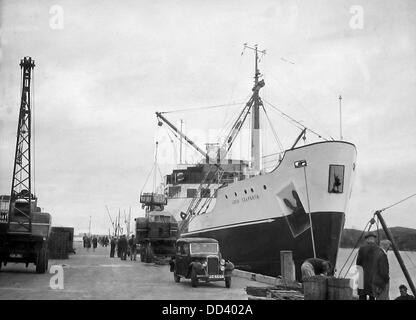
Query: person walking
(84, 240)
(113, 244)
(119, 247)
(88, 243)
(94, 243)
(123, 248)
(367, 260)
(133, 248)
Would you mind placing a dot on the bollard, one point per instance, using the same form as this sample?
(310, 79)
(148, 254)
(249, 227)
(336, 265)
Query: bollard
(287, 266)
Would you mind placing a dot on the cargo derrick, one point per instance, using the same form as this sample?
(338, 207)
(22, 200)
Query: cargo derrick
(25, 230)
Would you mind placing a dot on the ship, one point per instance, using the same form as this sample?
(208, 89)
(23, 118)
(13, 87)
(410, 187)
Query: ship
(299, 206)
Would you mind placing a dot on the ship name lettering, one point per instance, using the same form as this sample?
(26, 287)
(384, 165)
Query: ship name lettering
(253, 197)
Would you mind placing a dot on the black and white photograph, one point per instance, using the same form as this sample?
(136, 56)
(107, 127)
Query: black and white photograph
(234, 153)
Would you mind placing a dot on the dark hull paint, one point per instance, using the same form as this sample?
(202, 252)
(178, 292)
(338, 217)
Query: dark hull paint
(256, 247)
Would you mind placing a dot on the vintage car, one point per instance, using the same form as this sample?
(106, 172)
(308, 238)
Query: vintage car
(200, 259)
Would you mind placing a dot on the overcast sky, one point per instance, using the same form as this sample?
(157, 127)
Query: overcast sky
(106, 67)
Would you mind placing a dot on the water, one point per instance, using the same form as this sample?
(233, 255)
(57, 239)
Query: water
(396, 274)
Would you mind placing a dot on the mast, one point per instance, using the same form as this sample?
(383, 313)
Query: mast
(255, 119)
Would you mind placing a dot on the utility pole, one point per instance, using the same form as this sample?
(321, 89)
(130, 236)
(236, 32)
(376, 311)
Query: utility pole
(340, 118)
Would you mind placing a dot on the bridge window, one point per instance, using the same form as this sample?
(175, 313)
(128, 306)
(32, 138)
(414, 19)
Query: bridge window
(205, 193)
(174, 192)
(191, 193)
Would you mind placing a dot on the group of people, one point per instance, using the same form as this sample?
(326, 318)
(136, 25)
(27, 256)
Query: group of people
(373, 262)
(124, 247)
(94, 240)
(372, 258)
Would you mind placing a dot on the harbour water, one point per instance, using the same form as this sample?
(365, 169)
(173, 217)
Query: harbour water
(396, 275)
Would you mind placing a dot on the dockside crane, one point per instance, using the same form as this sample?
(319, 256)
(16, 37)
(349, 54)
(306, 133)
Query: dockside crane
(24, 234)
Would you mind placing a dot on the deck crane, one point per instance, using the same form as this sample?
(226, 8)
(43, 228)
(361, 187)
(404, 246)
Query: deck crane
(25, 232)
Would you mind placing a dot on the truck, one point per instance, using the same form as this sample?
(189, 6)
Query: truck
(157, 231)
(24, 228)
(21, 239)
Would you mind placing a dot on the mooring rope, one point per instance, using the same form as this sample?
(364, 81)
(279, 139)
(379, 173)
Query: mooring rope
(355, 247)
(395, 204)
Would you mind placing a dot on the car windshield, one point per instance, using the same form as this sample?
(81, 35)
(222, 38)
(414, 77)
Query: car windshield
(204, 247)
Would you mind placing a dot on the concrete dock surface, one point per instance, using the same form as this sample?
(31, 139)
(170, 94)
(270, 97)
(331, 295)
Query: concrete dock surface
(90, 275)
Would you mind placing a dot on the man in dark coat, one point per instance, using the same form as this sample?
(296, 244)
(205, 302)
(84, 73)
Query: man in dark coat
(94, 243)
(133, 248)
(112, 247)
(367, 259)
(381, 279)
(119, 247)
(84, 240)
(123, 247)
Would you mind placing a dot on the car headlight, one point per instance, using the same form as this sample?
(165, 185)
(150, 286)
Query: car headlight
(204, 264)
(222, 262)
(222, 268)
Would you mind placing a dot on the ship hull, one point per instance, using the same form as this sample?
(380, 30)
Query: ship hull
(305, 197)
(252, 246)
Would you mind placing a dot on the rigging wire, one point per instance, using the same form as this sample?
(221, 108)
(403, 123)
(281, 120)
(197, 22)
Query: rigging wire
(273, 130)
(395, 204)
(295, 121)
(147, 179)
(352, 251)
(294, 96)
(204, 107)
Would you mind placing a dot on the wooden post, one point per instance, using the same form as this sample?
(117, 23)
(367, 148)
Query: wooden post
(287, 266)
(396, 251)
